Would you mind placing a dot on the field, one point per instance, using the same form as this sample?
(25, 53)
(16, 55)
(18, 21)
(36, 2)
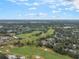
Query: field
(35, 35)
(32, 51)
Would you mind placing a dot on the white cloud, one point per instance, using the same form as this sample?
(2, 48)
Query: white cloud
(47, 1)
(51, 3)
(32, 8)
(42, 14)
(27, 4)
(56, 11)
(56, 6)
(53, 6)
(76, 4)
(22, 0)
(70, 8)
(31, 14)
(77, 10)
(12, 0)
(36, 4)
(18, 0)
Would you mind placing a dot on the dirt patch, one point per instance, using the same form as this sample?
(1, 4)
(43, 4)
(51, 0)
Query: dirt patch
(37, 57)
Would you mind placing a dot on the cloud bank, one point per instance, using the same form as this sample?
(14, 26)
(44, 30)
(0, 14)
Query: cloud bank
(57, 7)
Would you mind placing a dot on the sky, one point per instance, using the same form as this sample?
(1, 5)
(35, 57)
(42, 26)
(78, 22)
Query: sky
(39, 9)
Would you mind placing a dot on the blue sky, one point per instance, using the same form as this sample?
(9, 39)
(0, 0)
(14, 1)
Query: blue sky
(39, 9)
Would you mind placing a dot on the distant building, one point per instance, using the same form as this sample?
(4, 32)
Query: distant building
(15, 57)
(12, 57)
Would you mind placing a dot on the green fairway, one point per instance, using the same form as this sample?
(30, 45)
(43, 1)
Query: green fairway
(35, 35)
(31, 50)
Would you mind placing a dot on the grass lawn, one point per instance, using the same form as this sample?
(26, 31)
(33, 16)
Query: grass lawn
(35, 35)
(37, 51)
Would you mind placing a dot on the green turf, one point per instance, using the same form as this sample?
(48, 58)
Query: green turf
(30, 50)
(35, 35)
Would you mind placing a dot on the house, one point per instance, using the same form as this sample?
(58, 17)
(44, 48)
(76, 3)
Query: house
(15, 57)
(12, 57)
